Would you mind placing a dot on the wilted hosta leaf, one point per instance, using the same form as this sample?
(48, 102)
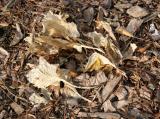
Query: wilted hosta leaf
(48, 45)
(55, 25)
(85, 80)
(106, 26)
(40, 48)
(45, 75)
(97, 61)
(112, 52)
(98, 39)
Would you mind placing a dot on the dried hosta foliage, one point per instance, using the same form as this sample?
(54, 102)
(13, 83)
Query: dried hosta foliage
(106, 26)
(57, 34)
(98, 39)
(45, 75)
(56, 26)
(85, 80)
(39, 48)
(97, 62)
(112, 52)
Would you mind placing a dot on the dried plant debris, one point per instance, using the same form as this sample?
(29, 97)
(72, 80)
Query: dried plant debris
(99, 115)
(55, 25)
(97, 61)
(86, 80)
(80, 59)
(106, 26)
(45, 75)
(57, 34)
(109, 87)
(123, 31)
(17, 108)
(155, 34)
(137, 11)
(111, 50)
(36, 100)
(18, 36)
(129, 52)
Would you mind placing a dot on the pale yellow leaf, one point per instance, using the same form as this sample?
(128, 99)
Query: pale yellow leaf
(97, 61)
(45, 75)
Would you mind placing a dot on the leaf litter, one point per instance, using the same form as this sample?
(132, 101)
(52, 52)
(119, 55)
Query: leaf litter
(103, 52)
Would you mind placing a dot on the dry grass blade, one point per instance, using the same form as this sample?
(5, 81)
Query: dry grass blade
(123, 31)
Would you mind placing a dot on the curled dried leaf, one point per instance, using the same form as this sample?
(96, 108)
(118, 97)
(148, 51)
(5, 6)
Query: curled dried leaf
(97, 61)
(55, 25)
(98, 39)
(106, 26)
(112, 52)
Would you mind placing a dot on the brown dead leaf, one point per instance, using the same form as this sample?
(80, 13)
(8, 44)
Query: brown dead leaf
(98, 39)
(4, 55)
(107, 106)
(88, 15)
(121, 93)
(3, 24)
(101, 115)
(17, 108)
(129, 52)
(86, 80)
(18, 36)
(137, 11)
(109, 87)
(106, 26)
(112, 52)
(132, 27)
(120, 104)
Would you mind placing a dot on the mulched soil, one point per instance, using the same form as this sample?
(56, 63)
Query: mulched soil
(142, 69)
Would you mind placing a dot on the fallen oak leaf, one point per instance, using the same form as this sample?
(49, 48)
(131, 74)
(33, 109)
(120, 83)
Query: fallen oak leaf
(45, 75)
